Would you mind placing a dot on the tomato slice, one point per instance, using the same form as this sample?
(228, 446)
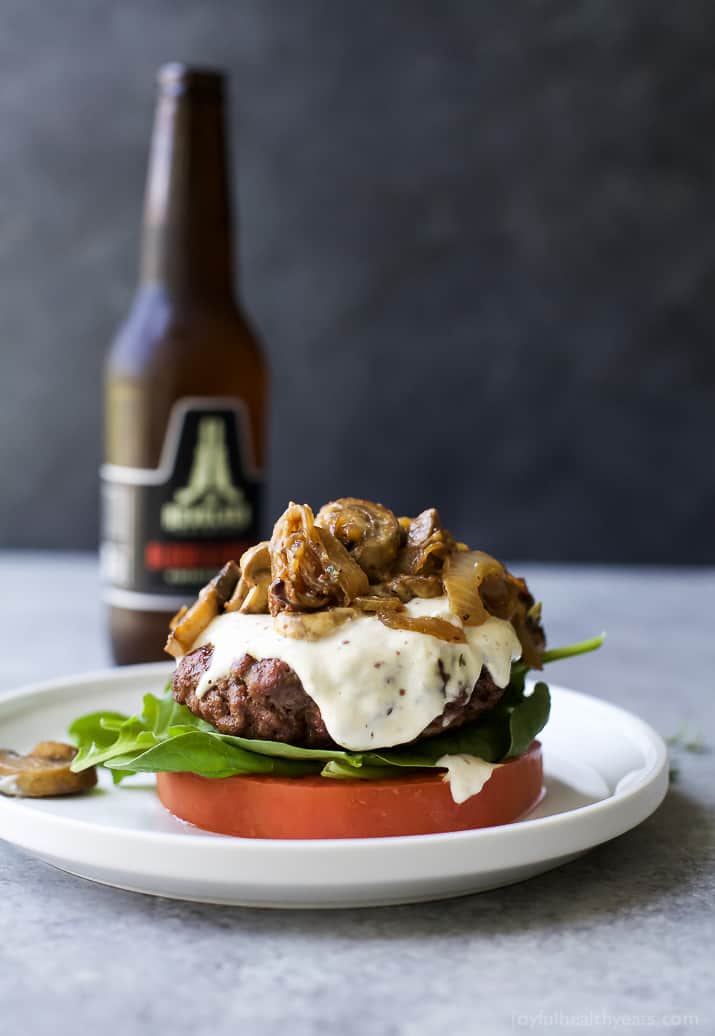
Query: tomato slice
(317, 807)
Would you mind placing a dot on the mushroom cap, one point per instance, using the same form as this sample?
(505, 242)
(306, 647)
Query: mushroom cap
(369, 531)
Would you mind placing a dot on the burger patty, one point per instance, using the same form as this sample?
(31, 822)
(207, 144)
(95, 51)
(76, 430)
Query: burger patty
(265, 699)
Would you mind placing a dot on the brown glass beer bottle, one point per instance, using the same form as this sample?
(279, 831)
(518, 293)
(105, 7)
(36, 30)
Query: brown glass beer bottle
(186, 385)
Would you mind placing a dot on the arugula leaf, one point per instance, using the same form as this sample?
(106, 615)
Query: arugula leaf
(519, 669)
(278, 749)
(132, 737)
(167, 737)
(208, 756)
(488, 738)
(527, 719)
(97, 727)
(343, 771)
(571, 650)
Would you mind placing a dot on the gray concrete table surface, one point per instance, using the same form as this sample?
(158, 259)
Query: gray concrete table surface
(621, 939)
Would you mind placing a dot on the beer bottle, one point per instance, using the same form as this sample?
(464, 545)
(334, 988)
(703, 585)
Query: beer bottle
(185, 388)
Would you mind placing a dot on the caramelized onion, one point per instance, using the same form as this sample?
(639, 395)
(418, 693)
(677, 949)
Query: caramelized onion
(310, 568)
(377, 603)
(477, 586)
(463, 575)
(440, 628)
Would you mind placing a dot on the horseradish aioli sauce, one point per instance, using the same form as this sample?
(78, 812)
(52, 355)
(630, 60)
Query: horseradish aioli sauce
(375, 687)
(466, 774)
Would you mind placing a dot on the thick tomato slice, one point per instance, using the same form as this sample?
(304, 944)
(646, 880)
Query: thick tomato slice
(317, 807)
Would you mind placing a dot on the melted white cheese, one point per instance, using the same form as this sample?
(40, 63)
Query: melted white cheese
(466, 774)
(375, 687)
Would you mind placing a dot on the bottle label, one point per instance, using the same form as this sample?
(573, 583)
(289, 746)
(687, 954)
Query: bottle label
(167, 530)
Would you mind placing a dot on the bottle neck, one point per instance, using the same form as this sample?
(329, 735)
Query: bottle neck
(186, 240)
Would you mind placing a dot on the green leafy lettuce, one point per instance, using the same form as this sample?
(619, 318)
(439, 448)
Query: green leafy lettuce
(167, 738)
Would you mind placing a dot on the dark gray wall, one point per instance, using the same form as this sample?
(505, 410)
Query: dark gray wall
(478, 239)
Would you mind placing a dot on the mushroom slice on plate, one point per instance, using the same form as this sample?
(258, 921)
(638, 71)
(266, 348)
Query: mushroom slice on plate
(43, 772)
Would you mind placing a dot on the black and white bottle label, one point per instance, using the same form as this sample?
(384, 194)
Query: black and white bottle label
(167, 530)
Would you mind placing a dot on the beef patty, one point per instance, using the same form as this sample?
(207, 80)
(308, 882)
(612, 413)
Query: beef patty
(266, 700)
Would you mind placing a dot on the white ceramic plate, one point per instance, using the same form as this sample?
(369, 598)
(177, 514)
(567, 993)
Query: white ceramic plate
(606, 771)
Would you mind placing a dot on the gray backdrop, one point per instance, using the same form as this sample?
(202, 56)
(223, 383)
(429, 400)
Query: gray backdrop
(477, 238)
